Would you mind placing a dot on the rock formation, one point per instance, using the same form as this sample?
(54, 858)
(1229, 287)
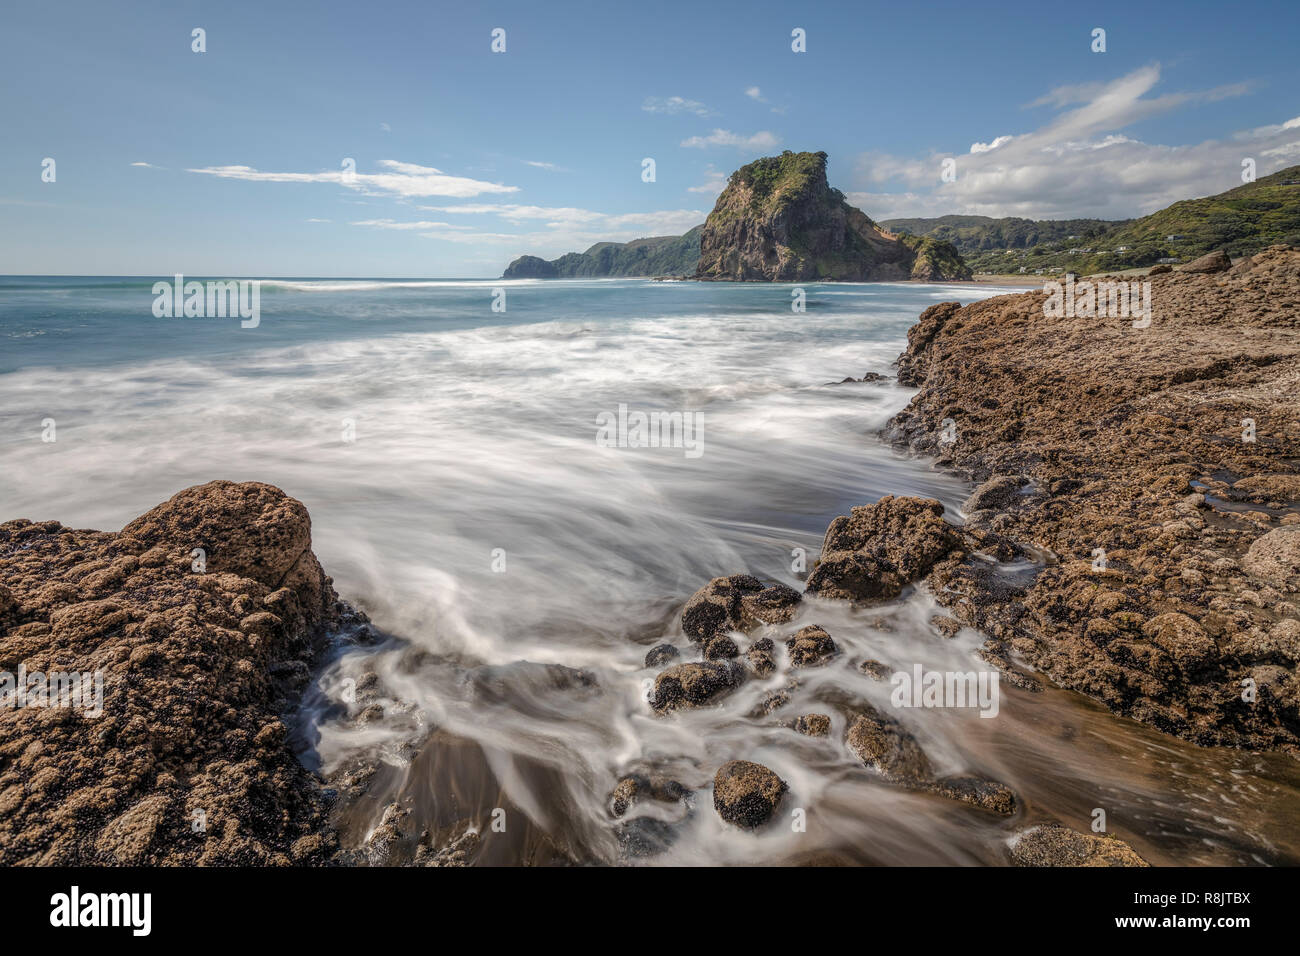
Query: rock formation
(1149, 473)
(779, 220)
(200, 618)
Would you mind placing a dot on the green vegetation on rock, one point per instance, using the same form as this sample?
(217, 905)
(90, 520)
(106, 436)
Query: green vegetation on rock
(780, 220)
(656, 256)
(1241, 221)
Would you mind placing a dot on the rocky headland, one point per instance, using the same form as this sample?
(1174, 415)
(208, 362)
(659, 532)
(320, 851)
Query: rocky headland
(778, 220)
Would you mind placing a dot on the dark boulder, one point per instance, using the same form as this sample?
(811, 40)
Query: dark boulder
(746, 794)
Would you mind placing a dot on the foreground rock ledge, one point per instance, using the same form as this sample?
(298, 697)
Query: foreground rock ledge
(200, 655)
(1154, 469)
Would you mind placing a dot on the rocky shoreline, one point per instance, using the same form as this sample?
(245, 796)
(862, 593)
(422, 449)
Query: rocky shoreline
(1153, 473)
(1154, 541)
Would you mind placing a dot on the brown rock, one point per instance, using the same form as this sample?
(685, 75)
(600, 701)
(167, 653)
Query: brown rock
(715, 608)
(1055, 845)
(810, 646)
(995, 494)
(1113, 425)
(772, 605)
(188, 669)
(746, 794)
(721, 648)
(883, 745)
(1275, 557)
(126, 840)
(876, 550)
(695, 684)
(979, 792)
(637, 786)
(660, 654)
(760, 661)
(812, 725)
(1216, 261)
(249, 529)
(1269, 487)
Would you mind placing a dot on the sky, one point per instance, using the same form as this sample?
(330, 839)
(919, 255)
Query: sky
(389, 139)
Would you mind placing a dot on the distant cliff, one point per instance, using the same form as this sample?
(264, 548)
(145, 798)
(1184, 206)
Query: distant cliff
(656, 256)
(780, 220)
(777, 220)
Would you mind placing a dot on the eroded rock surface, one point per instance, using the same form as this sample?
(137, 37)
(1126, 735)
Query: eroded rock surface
(200, 616)
(1155, 519)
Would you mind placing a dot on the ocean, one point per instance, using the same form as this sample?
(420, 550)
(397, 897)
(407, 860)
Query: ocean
(461, 494)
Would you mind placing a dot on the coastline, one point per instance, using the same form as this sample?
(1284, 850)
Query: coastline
(1072, 443)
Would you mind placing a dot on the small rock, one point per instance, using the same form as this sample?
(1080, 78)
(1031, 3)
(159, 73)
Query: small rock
(639, 786)
(773, 701)
(810, 646)
(882, 744)
(773, 605)
(721, 648)
(812, 725)
(977, 791)
(945, 625)
(875, 551)
(760, 662)
(660, 654)
(745, 794)
(1055, 845)
(695, 684)
(1275, 557)
(994, 494)
(715, 608)
(874, 669)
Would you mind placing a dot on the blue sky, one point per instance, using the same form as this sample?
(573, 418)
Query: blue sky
(466, 158)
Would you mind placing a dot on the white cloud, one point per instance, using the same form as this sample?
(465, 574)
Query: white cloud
(395, 224)
(320, 220)
(754, 93)
(1080, 163)
(989, 147)
(400, 179)
(385, 127)
(763, 139)
(661, 222)
(564, 229)
(558, 215)
(674, 104)
(540, 165)
(147, 165)
(714, 183)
